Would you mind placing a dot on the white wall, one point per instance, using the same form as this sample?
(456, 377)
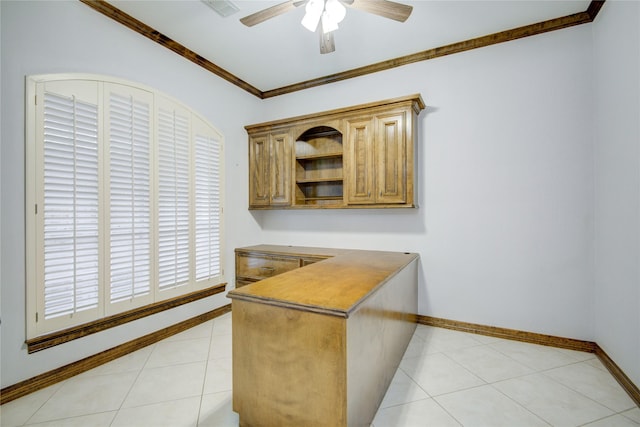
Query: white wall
(53, 37)
(505, 176)
(617, 184)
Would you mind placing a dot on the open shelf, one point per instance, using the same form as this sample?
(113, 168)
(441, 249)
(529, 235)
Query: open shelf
(319, 171)
(319, 156)
(322, 198)
(316, 180)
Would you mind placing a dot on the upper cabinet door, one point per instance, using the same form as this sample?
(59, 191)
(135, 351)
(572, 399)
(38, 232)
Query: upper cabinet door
(259, 182)
(391, 158)
(281, 166)
(360, 159)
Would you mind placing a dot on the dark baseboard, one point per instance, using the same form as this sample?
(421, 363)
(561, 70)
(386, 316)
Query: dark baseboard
(632, 390)
(534, 338)
(46, 379)
(510, 334)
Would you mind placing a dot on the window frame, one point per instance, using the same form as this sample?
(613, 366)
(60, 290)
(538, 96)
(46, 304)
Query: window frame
(36, 325)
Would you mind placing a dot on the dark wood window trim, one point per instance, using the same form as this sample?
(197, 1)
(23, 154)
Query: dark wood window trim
(503, 36)
(46, 379)
(59, 337)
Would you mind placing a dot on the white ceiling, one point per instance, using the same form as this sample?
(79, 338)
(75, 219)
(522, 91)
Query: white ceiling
(280, 51)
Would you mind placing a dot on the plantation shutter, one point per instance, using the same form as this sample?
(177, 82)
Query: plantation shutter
(70, 205)
(129, 136)
(207, 202)
(123, 200)
(173, 197)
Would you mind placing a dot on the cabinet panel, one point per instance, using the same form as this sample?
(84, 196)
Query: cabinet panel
(270, 170)
(259, 183)
(254, 265)
(280, 169)
(262, 266)
(391, 159)
(361, 161)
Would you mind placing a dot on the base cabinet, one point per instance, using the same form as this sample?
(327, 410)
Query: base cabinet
(256, 263)
(302, 357)
(356, 157)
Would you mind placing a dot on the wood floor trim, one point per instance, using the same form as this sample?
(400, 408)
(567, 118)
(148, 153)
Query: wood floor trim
(534, 338)
(632, 390)
(510, 334)
(46, 379)
(145, 30)
(59, 337)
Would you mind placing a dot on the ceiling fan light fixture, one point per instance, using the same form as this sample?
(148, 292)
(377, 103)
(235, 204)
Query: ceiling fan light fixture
(335, 10)
(328, 14)
(313, 12)
(328, 23)
(334, 13)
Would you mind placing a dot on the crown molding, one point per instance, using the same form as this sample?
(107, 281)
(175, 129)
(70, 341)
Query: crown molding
(140, 27)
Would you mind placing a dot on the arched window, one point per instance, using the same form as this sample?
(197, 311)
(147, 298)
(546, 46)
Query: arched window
(124, 199)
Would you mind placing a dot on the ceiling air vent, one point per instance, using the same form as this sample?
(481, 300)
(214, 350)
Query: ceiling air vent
(224, 8)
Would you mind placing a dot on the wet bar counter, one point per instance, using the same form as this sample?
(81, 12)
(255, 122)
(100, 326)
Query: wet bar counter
(318, 345)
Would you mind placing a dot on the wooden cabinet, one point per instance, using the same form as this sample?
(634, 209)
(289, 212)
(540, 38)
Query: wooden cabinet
(319, 346)
(360, 187)
(256, 263)
(270, 170)
(355, 157)
(380, 165)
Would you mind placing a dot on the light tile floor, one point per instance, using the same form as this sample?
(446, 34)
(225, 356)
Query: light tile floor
(447, 378)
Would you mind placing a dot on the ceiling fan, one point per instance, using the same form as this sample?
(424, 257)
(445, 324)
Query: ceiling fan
(326, 14)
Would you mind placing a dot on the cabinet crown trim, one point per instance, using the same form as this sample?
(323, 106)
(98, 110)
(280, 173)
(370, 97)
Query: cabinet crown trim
(416, 100)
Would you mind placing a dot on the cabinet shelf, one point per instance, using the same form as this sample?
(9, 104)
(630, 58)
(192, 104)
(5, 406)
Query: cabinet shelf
(312, 157)
(321, 198)
(319, 154)
(316, 180)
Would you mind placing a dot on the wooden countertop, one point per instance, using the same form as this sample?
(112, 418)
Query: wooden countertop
(333, 286)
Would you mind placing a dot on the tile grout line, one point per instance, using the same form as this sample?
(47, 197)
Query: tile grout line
(206, 370)
(578, 391)
(520, 404)
(133, 383)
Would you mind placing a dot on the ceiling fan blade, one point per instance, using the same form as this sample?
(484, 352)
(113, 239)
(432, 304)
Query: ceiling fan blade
(270, 12)
(327, 44)
(388, 9)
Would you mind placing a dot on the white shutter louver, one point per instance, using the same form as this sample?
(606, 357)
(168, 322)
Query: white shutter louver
(123, 200)
(70, 206)
(207, 195)
(173, 199)
(129, 174)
